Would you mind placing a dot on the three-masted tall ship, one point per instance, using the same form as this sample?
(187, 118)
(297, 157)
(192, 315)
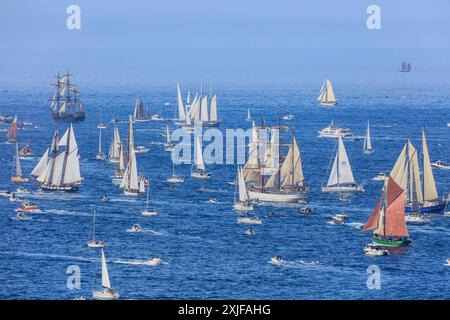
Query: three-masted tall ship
(272, 174)
(65, 104)
(419, 188)
(60, 170)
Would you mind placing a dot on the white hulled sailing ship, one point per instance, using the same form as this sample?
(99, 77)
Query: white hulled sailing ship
(132, 184)
(326, 96)
(341, 176)
(285, 181)
(107, 293)
(200, 169)
(139, 114)
(65, 104)
(367, 148)
(242, 203)
(60, 170)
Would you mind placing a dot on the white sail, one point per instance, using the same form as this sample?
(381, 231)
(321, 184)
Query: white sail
(399, 172)
(17, 162)
(199, 154)
(168, 136)
(341, 172)
(326, 93)
(181, 111)
(100, 141)
(194, 112)
(429, 185)
(248, 115)
(213, 116)
(41, 165)
(55, 175)
(121, 159)
(105, 274)
(204, 109)
(114, 149)
(141, 185)
(367, 139)
(243, 195)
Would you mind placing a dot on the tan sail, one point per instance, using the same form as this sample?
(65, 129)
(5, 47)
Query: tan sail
(429, 186)
(399, 173)
(414, 175)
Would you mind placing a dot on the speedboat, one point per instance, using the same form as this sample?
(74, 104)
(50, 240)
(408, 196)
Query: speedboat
(289, 117)
(276, 260)
(136, 228)
(28, 207)
(448, 262)
(149, 212)
(101, 126)
(416, 218)
(243, 206)
(105, 294)
(13, 197)
(373, 249)
(104, 198)
(154, 261)
(94, 244)
(380, 177)
(306, 210)
(333, 131)
(248, 220)
(157, 117)
(175, 179)
(213, 201)
(19, 179)
(250, 232)
(25, 153)
(21, 215)
(22, 190)
(441, 165)
(344, 199)
(141, 149)
(201, 174)
(168, 147)
(341, 219)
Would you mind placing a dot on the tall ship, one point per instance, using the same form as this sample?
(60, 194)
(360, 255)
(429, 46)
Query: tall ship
(406, 67)
(326, 96)
(140, 114)
(65, 104)
(273, 171)
(11, 132)
(202, 111)
(60, 169)
(418, 187)
(388, 218)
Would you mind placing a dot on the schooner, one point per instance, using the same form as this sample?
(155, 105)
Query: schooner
(326, 96)
(116, 145)
(341, 177)
(140, 115)
(60, 170)
(285, 182)
(65, 104)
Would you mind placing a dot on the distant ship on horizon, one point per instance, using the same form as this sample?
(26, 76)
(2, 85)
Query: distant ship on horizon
(65, 105)
(406, 67)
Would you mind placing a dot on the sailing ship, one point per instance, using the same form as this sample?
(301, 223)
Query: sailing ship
(93, 244)
(326, 96)
(107, 293)
(367, 148)
(249, 117)
(168, 146)
(140, 115)
(65, 104)
(17, 169)
(407, 174)
(406, 67)
(201, 112)
(131, 183)
(341, 176)
(243, 202)
(174, 178)
(100, 154)
(11, 133)
(119, 170)
(286, 180)
(26, 152)
(388, 218)
(115, 147)
(60, 170)
(148, 212)
(200, 171)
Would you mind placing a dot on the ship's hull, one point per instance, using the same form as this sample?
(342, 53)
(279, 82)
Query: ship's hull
(386, 241)
(437, 208)
(328, 104)
(69, 116)
(277, 196)
(68, 188)
(342, 189)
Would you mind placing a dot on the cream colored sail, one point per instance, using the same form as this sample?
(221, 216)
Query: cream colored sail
(199, 154)
(243, 195)
(429, 185)
(17, 162)
(213, 115)
(181, 110)
(415, 188)
(326, 93)
(400, 170)
(251, 168)
(204, 110)
(292, 171)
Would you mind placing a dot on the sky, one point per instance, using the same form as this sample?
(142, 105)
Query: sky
(220, 33)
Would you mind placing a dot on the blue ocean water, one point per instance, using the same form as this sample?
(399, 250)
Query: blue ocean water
(207, 254)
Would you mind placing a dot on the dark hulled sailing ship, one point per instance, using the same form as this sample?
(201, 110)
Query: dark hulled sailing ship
(65, 104)
(406, 67)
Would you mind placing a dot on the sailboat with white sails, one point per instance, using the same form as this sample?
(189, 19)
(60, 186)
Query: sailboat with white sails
(168, 146)
(100, 154)
(341, 176)
(60, 170)
(16, 175)
(286, 180)
(93, 244)
(249, 117)
(200, 171)
(116, 145)
(132, 184)
(243, 202)
(147, 212)
(326, 96)
(174, 178)
(107, 293)
(367, 148)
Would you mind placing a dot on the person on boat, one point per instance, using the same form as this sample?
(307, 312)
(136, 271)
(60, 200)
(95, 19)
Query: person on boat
(13, 196)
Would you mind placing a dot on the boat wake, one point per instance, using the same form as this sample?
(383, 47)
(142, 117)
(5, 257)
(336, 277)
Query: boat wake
(49, 256)
(66, 213)
(153, 232)
(296, 263)
(139, 262)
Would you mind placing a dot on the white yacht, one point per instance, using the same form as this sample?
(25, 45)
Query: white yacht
(380, 177)
(441, 165)
(141, 149)
(333, 131)
(373, 249)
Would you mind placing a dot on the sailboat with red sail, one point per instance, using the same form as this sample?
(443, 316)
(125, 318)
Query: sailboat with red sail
(388, 218)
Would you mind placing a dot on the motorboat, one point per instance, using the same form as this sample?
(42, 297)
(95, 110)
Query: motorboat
(250, 232)
(341, 219)
(213, 201)
(306, 211)
(136, 228)
(154, 261)
(141, 149)
(441, 165)
(157, 117)
(5, 193)
(175, 179)
(248, 220)
(333, 131)
(28, 207)
(21, 215)
(13, 197)
(416, 218)
(373, 249)
(289, 117)
(344, 199)
(276, 260)
(380, 177)
(22, 190)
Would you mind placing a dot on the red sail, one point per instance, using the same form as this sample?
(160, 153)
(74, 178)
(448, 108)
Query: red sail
(373, 220)
(12, 131)
(395, 225)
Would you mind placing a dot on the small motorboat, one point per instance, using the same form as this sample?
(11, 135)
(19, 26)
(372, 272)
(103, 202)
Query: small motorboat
(94, 244)
(289, 117)
(22, 190)
(167, 104)
(213, 201)
(13, 197)
(248, 220)
(21, 215)
(200, 174)
(306, 210)
(175, 179)
(28, 207)
(441, 165)
(373, 249)
(25, 153)
(157, 117)
(101, 126)
(154, 261)
(416, 218)
(276, 260)
(243, 206)
(149, 212)
(448, 262)
(344, 199)
(341, 219)
(104, 198)
(141, 149)
(380, 177)
(136, 228)
(5, 193)
(250, 232)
